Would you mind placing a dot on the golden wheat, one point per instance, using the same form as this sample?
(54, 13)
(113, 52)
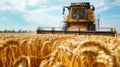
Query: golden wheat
(59, 50)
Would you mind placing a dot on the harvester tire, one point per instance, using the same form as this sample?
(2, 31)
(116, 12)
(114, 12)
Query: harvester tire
(91, 27)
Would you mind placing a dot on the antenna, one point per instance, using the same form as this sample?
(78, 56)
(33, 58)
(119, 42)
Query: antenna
(98, 18)
(98, 21)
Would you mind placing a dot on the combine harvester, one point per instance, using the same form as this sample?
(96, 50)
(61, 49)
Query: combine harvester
(79, 20)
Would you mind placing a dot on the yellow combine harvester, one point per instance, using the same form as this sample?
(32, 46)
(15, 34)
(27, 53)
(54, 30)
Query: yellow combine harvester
(80, 19)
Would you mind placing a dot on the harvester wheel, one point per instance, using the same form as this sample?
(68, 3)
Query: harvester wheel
(91, 27)
(39, 30)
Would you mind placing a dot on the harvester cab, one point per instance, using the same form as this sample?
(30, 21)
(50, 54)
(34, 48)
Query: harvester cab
(80, 19)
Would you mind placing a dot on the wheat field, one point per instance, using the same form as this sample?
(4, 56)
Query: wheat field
(55, 50)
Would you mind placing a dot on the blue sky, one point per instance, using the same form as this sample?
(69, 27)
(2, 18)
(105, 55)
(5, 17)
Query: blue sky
(29, 14)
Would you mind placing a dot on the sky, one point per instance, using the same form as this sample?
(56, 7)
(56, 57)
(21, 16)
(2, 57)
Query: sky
(30, 14)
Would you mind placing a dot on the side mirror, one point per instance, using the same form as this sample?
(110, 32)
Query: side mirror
(63, 10)
(93, 8)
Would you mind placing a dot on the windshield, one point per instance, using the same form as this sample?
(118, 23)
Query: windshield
(78, 13)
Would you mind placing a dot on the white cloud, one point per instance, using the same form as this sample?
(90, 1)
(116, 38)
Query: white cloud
(116, 3)
(101, 5)
(38, 15)
(104, 8)
(22, 5)
(33, 2)
(97, 3)
(3, 6)
(104, 5)
(42, 18)
(18, 5)
(45, 8)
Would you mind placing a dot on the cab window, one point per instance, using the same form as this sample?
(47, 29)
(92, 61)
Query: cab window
(78, 13)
